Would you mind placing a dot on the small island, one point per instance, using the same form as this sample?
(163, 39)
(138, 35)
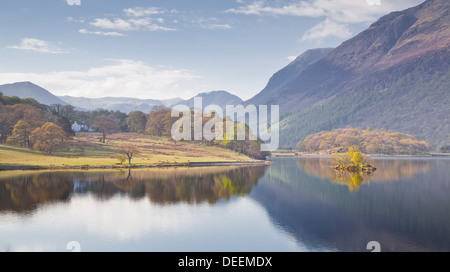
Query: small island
(352, 161)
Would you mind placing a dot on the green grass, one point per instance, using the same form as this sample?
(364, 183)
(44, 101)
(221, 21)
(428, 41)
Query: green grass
(86, 150)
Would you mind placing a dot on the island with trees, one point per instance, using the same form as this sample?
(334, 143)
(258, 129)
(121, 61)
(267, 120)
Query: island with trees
(352, 161)
(368, 141)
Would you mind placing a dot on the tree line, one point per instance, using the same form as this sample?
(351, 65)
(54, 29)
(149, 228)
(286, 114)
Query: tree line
(27, 123)
(368, 141)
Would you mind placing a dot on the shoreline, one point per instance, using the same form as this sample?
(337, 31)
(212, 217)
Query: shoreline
(325, 155)
(169, 165)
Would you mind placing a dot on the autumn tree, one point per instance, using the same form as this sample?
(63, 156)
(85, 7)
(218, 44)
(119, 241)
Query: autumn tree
(105, 125)
(355, 156)
(136, 122)
(129, 150)
(21, 134)
(159, 123)
(47, 137)
(372, 141)
(340, 160)
(30, 114)
(6, 122)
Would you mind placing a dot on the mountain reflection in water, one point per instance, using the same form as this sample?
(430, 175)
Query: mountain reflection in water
(404, 205)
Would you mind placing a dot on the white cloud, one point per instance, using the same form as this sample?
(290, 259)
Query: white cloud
(140, 11)
(119, 78)
(137, 18)
(348, 11)
(39, 46)
(327, 28)
(294, 9)
(212, 23)
(291, 58)
(128, 25)
(101, 33)
(337, 13)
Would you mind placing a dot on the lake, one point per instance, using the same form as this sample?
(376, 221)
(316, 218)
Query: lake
(295, 204)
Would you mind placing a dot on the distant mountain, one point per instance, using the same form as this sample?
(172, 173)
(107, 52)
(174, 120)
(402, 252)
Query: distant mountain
(123, 104)
(170, 102)
(394, 75)
(30, 90)
(220, 98)
(127, 105)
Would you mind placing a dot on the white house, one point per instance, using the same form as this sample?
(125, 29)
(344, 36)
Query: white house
(77, 127)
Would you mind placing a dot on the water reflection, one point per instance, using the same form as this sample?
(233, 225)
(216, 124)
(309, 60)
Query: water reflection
(25, 192)
(388, 170)
(405, 206)
(293, 204)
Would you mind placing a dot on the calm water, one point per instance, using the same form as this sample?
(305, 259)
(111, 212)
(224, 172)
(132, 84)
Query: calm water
(296, 204)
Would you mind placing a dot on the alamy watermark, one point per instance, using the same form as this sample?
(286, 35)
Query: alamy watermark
(373, 246)
(73, 246)
(254, 128)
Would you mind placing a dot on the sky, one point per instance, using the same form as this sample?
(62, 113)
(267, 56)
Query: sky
(170, 48)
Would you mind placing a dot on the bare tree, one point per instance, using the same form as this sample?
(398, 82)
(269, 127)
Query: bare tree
(129, 150)
(105, 125)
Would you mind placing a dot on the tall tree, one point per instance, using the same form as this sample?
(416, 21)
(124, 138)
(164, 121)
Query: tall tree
(47, 137)
(66, 125)
(160, 123)
(136, 122)
(29, 114)
(106, 126)
(21, 134)
(6, 122)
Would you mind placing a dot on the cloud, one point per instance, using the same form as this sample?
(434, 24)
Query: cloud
(212, 23)
(348, 11)
(117, 78)
(337, 14)
(291, 58)
(139, 11)
(101, 33)
(128, 25)
(294, 9)
(141, 19)
(327, 28)
(39, 46)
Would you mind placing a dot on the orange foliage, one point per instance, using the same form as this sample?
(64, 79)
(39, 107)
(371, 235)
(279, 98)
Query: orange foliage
(368, 141)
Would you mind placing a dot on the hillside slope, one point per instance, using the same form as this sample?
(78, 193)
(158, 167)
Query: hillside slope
(394, 75)
(30, 90)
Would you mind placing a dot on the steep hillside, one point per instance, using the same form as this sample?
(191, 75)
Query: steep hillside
(394, 75)
(286, 75)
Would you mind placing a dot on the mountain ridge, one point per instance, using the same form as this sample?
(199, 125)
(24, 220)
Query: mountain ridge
(28, 89)
(123, 104)
(393, 75)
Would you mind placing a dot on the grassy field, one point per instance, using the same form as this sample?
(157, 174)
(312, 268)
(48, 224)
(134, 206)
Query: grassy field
(85, 150)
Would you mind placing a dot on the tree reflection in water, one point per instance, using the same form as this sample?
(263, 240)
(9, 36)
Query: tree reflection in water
(24, 192)
(387, 170)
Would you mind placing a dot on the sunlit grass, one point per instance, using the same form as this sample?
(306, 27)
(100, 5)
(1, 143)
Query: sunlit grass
(86, 150)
